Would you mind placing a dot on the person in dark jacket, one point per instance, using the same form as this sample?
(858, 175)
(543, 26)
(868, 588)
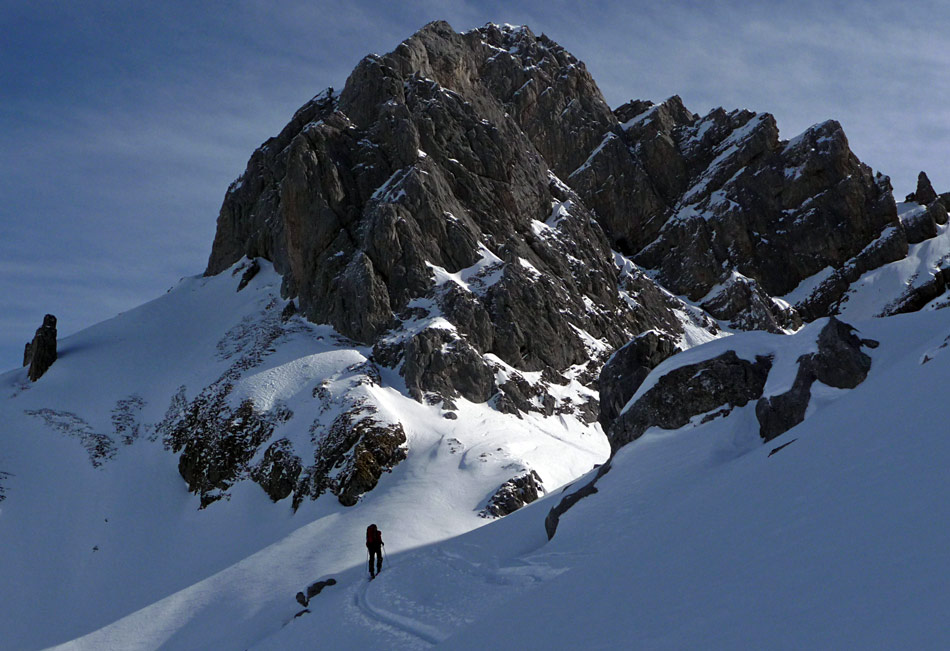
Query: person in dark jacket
(374, 543)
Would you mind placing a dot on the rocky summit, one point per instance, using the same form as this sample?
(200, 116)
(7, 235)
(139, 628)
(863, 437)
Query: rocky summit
(422, 210)
(470, 207)
(463, 288)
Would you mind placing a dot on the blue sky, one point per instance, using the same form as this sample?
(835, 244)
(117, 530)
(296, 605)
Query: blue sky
(124, 122)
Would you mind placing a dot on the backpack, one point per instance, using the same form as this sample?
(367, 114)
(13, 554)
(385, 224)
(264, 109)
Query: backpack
(373, 535)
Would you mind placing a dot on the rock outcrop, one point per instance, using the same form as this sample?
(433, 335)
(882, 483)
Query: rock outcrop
(625, 371)
(839, 363)
(713, 387)
(514, 494)
(40, 353)
(722, 194)
(724, 382)
(746, 306)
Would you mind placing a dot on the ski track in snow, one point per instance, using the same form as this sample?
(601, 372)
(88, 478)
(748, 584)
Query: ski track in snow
(419, 634)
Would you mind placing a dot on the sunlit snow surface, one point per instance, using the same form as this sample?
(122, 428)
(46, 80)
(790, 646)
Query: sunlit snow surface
(120, 553)
(697, 538)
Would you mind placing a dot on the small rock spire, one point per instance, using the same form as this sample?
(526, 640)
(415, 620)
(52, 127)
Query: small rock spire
(41, 352)
(925, 194)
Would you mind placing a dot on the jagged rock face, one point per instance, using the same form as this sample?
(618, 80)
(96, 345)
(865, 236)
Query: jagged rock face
(41, 352)
(220, 445)
(278, 471)
(916, 297)
(427, 192)
(352, 456)
(725, 381)
(723, 193)
(216, 443)
(839, 363)
(746, 306)
(825, 298)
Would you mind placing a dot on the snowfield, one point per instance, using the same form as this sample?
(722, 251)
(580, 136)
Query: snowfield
(696, 538)
(97, 516)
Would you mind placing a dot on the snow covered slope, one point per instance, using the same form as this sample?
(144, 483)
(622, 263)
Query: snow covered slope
(700, 538)
(98, 526)
(697, 537)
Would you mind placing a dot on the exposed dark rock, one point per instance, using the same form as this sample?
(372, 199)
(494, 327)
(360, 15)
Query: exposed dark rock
(514, 494)
(781, 447)
(743, 303)
(442, 155)
(925, 193)
(41, 352)
(691, 390)
(922, 225)
(938, 210)
(824, 300)
(351, 456)
(313, 590)
(920, 294)
(839, 363)
(469, 206)
(775, 212)
(216, 443)
(249, 274)
(625, 371)
(289, 310)
(778, 414)
(553, 517)
(100, 447)
(125, 419)
(278, 471)
(437, 360)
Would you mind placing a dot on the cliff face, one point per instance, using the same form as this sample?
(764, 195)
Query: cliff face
(470, 208)
(422, 210)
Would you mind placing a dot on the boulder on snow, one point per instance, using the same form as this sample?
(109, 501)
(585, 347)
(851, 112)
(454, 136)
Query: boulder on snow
(41, 352)
(513, 494)
(304, 597)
